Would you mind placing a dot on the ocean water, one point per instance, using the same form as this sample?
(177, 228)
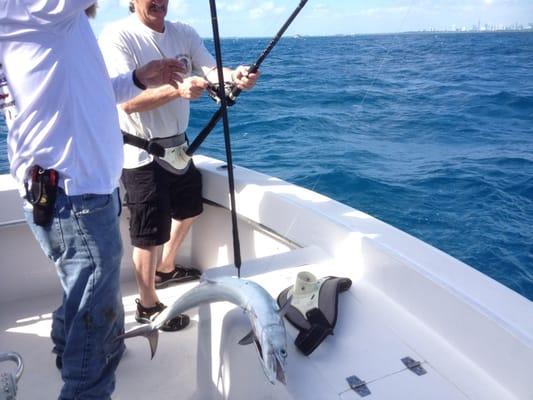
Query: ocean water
(431, 133)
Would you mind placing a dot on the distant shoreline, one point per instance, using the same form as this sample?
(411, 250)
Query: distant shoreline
(476, 32)
(299, 36)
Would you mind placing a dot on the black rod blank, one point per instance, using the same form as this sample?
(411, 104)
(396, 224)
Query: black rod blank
(200, 138)
(227, 137)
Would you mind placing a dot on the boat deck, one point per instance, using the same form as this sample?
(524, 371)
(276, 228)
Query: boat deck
(204, 361)
(473, 336)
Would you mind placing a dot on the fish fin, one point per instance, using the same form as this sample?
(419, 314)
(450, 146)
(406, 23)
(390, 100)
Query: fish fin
(144, 330)
(153, 339)
(285, 307)
(248, 339)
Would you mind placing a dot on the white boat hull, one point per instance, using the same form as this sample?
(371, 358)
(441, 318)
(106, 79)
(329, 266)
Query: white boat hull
(473, 336)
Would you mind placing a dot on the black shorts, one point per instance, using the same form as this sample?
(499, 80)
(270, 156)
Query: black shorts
(154, 196)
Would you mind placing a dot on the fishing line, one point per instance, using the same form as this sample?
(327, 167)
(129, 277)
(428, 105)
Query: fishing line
(231, 97)
(378, 73)
(380, 68)
(291, 225)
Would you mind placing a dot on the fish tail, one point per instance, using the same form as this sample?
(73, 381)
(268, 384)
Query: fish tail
(148, 332)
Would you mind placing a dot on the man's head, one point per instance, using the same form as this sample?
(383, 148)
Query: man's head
(150, 12)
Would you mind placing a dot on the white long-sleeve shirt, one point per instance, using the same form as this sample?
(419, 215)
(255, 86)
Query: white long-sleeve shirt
(128, 44)
(59, 102)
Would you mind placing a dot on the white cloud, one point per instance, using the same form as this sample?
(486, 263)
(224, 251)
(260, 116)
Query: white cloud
(266, 8)
(233, 6)
(177, 6)
(385, 10)
(113, 5)
(256, 18)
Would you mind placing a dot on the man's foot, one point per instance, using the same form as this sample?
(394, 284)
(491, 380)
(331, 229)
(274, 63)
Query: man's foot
(145, 315)
(179, 275)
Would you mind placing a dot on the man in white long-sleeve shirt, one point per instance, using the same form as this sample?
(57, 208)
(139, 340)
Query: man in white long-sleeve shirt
(65, 151)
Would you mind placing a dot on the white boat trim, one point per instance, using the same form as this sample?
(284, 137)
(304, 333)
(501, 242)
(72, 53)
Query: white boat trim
(473, 335)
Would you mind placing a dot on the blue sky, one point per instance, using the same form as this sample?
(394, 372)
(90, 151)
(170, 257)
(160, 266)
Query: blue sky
(328, 17)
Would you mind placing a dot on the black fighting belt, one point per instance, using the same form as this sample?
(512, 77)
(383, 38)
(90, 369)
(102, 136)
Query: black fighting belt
(150, 146)
(169, 152)
(313, 309)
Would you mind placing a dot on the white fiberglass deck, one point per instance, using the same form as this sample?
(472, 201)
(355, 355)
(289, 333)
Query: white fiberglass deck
(205, 362)
(473, 336)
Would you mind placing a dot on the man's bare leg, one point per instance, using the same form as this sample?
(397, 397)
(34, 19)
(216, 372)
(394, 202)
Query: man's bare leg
(144, 260)
(178, 233)
(145, 264)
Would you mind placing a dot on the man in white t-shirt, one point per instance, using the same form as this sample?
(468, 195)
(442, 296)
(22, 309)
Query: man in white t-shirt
(65, 151)
(163, 201)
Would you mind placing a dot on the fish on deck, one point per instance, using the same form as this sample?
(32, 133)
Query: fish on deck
(266, 318)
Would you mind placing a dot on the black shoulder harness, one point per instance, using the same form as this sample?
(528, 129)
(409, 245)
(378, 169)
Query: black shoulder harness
(318, 322)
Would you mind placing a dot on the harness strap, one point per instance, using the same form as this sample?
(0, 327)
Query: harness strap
(150, 146)
(170, 141)
(309, 339)
(314, 308)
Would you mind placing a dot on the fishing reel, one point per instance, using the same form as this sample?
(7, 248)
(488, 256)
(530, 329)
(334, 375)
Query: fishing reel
(213, 88)
(8, 381)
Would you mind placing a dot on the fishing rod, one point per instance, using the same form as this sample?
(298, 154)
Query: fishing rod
(231, 97)
(227, 137)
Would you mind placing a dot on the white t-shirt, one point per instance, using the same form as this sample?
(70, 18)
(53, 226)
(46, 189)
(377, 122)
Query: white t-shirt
(126, 45)
(61, 105)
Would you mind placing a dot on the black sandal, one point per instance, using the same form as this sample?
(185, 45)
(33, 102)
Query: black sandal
(145, 315)
(179, 275)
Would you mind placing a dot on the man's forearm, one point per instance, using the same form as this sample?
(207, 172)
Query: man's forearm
(151, 99)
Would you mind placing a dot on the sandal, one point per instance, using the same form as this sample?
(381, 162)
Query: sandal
(179, 275)
(145, 315)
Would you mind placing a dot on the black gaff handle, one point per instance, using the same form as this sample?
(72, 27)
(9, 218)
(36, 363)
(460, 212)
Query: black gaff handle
(236, 91)
(227, 138)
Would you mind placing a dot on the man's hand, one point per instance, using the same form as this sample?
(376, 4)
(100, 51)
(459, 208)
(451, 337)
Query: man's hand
(161, 72)
(192, 88)
(244, 80)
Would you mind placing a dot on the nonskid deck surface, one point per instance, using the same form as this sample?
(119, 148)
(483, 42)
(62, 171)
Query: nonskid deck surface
(204, 361)
(26, 328)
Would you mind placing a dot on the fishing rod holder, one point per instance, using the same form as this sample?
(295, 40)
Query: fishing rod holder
(8, 381)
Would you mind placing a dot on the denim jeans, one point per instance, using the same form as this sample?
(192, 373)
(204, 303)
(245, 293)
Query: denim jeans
(83, 240)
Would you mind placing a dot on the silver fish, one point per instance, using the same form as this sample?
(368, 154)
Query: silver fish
(268, 330)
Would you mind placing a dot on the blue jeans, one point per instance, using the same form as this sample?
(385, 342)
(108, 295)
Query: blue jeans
(83, 240)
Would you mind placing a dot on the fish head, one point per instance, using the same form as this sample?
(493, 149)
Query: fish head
(273, 349)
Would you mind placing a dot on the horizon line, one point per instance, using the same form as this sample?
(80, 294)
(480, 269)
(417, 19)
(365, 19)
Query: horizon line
(299, 36)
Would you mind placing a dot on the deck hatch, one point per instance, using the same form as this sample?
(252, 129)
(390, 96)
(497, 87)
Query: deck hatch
(358, 385)
(414, 366)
